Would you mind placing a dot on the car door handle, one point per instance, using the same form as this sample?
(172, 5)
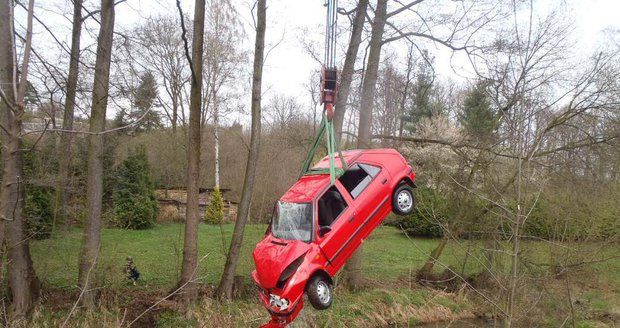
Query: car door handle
(384, 181)
(351, 219)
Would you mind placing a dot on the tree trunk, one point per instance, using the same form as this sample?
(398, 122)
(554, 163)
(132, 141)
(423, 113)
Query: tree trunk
(346, 77)
(23, 284)
(353, 268)
(370, 76)
(216, 135)
(427, 268)
(175, 111)
(515, 238)
(94, 192)
(190, 245)
(64, 155)
(225, 287)
(23, 79)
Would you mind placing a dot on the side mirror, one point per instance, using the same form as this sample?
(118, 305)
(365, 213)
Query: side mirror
(324, 230)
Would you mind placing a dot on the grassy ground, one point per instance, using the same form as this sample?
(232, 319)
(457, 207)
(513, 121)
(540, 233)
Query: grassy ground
(157, 253)
(391, 296)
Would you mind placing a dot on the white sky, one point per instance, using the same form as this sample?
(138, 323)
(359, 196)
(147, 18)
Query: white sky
(291, 23)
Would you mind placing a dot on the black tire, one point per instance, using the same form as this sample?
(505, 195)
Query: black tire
(403, 201)
(320, 292)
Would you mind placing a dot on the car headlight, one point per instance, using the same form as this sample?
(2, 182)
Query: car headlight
(288, 272)
(278, 302)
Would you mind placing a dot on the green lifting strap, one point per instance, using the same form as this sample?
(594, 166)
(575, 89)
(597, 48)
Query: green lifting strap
(327, 129)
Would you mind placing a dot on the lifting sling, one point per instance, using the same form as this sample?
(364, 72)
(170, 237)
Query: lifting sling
(329, 92)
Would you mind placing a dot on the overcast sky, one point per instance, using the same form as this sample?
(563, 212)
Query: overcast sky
(289, 66)
(293, 23)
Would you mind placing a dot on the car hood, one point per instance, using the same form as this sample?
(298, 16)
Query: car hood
(272, 256)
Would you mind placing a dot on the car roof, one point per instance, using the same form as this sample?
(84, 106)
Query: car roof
(351, 155)
(304, 190)
(308, 186)
(348, 155)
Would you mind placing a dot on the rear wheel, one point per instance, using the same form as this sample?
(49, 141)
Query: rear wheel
(402, 200)
(320, 293)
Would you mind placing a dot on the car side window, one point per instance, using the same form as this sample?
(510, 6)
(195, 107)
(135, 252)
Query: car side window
(358, 177)
(330, 205)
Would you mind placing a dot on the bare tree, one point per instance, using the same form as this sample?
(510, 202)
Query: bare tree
(190, 244)
(161, 50)
(62, 194)
(282, 111)
(92, 228)
(542, 101)
(461, 26)
(226, 283)
(23, 283)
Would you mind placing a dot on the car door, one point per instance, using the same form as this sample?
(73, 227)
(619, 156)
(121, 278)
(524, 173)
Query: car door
(334, 210)
(367, 185)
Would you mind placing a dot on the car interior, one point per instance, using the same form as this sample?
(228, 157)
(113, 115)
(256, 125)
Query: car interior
(331, 204)
(357, 178)
(354, 180)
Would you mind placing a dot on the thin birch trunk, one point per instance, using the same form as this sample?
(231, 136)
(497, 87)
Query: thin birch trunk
(216, 135)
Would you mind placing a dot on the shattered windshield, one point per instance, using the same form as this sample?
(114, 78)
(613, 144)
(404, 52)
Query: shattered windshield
(293, 221)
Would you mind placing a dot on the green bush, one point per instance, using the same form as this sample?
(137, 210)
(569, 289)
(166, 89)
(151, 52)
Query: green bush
(576, 214)
(38, 210)
(421, 223)
(215, 211)
(133, 196)
(38, 202)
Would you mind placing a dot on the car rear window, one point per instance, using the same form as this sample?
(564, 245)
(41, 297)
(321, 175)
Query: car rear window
(358, 177)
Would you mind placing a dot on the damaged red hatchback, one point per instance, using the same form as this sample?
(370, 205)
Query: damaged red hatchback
(316, 227)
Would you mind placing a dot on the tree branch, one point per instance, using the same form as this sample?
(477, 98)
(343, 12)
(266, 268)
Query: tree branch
(186, 43)
(403, 8)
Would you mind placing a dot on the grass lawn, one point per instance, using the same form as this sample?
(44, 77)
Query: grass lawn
(390, 259)
(158, 252)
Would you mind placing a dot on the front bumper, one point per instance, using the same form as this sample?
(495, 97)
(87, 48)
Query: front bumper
(274, 299)
(273, 303)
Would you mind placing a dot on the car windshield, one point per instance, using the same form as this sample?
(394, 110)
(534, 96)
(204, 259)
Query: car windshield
(292, 221)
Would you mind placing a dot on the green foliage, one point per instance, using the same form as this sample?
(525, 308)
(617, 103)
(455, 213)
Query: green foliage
(133, 197)
(215, 211)
(576, 214)
(430, 213)
(143, 113)
(146, 92)
(38, 205)
(477, 116)
(39, 212)
(144, 98)
(31, 97)
(111, 143)
(424, 94)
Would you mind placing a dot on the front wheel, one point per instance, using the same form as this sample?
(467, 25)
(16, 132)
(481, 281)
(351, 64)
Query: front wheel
(320, 293)
(403, 200)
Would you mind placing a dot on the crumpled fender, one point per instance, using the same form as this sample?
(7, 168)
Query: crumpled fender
(296, 285)
(271, 257)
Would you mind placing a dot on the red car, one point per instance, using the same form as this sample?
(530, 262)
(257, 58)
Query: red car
(317, 227)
